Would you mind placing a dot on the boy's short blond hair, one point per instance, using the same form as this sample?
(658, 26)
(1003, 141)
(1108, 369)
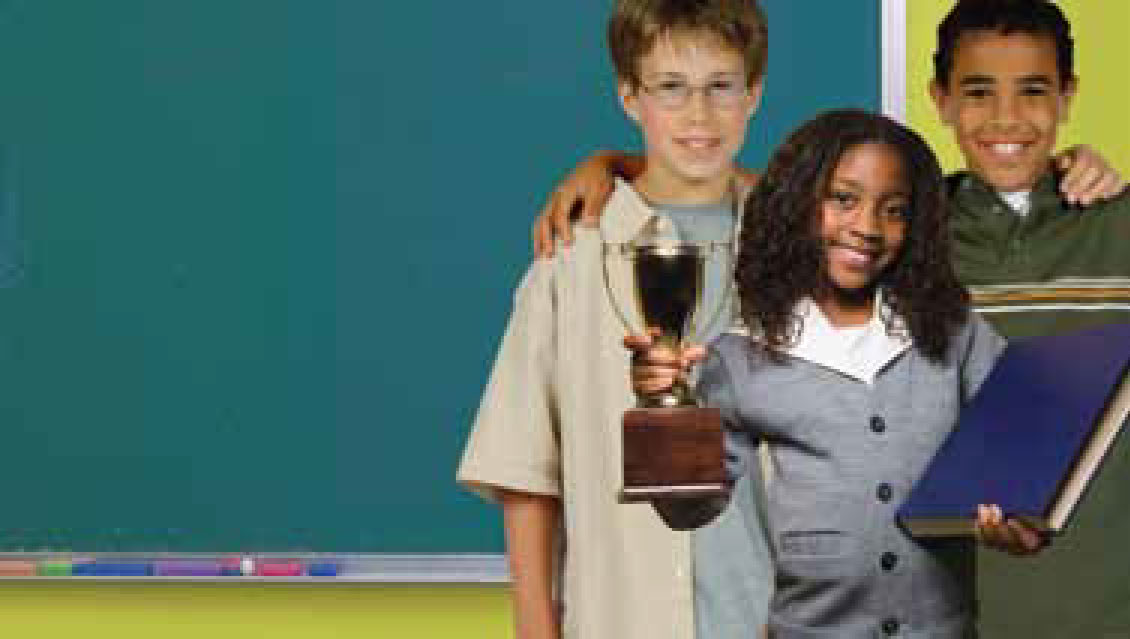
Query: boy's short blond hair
(635, 25)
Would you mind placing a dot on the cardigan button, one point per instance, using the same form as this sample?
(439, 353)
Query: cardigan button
(884, 492)
(888, 561)
(878, 425)
(890, 626)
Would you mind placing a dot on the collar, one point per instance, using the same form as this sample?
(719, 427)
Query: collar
(1019, 201)
(633, 214)
(976, 196)
(860, 353)
(627, 215)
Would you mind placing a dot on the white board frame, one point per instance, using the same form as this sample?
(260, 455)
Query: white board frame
(893, 71)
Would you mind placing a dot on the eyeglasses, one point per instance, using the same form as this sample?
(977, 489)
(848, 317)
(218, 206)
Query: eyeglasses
(720, 94)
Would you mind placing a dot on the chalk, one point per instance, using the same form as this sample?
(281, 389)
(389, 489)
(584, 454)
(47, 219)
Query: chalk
(56, 568)
(17, 569)
(247, 566)
(322, 570)
(279, 569)
(231, 567)
(108, 569)
(188, 569)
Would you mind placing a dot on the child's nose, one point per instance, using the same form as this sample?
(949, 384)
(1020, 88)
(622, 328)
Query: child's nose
(698, 104)
(866, 222)
(1006, 110)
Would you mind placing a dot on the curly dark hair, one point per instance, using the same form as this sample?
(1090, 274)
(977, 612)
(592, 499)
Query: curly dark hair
(781, 256)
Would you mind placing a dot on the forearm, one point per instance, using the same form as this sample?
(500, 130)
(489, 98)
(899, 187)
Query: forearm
(531, 523)
(630, 166)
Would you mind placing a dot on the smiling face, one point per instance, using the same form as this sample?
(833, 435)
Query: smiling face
(690, 147)
(1005, 101)
(863, 220)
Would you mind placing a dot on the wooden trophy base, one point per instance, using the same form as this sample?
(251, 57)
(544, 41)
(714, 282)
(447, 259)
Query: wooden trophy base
(673, 453)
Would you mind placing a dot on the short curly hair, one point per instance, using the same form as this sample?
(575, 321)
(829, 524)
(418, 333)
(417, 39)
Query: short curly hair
(635, 25)
(781, 257)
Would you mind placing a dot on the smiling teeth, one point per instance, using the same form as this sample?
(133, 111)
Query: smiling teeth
(1007, 149)
(698, 144)
(856, 255)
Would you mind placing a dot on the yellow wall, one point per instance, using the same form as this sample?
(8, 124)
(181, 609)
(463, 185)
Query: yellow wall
(277, 611)
(1101, 113)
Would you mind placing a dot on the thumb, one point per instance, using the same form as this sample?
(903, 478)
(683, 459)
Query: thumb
(693, 354)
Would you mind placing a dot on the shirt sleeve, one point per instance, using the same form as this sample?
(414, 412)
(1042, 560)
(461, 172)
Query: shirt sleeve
(716, 389)
(983, 347)
(514, 443)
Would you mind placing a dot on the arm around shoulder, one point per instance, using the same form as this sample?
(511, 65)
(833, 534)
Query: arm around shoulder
(581, 196)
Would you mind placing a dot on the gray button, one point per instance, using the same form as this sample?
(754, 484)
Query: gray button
(888, 561)
(884, 492)
(890, 626)
(877, 424)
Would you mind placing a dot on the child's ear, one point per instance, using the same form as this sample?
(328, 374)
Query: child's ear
(755, 92)
(1066, 97)
(629, 100)
(941, 97)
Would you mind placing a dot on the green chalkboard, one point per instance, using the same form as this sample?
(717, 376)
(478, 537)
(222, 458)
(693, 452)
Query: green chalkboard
(256, 255)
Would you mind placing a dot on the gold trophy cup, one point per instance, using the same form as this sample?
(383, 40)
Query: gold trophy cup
(672, 447)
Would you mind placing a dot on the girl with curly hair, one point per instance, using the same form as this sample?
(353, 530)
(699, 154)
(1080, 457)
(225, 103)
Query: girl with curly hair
(859, 349)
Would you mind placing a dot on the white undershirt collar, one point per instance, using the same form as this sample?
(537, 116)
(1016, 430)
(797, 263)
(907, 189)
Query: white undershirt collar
(860, 352)
(1019, 201)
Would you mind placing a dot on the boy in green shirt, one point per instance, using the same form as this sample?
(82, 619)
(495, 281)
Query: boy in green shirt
(1004, 81)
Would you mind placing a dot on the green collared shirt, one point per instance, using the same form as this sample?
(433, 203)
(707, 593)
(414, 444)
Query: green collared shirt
(1053, 270)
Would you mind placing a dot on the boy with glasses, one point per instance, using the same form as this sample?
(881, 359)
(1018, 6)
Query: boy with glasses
(546, 442)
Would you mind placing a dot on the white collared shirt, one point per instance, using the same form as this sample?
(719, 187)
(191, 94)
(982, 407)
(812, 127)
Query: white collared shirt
(1019, 201)
(860, 352)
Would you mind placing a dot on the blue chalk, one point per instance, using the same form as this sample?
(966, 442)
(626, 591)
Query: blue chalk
(106, 569)
(322, 570)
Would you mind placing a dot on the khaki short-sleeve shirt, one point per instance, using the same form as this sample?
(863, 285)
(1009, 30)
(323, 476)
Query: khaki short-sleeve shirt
(550, 423)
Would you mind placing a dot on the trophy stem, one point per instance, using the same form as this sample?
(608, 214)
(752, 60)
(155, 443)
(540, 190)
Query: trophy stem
(678, 395)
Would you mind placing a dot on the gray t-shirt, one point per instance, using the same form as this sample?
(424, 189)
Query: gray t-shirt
(701, 223)
(710, 225)
(731, 597)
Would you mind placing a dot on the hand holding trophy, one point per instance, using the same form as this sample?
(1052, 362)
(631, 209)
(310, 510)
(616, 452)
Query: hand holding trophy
(672, 447)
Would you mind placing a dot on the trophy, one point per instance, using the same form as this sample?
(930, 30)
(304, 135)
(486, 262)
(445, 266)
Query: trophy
(672, 447)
